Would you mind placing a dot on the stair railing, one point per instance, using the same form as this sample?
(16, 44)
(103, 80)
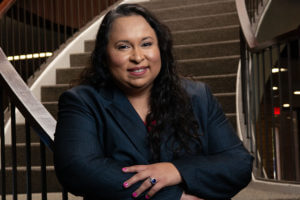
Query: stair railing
(31, 30)
(271, 103)
(37, 117)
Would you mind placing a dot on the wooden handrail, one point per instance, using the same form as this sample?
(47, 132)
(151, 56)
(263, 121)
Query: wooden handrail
(5, 5)
(253, 44)
(32, 109)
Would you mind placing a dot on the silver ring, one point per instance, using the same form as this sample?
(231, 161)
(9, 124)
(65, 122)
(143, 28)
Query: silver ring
(152, 181)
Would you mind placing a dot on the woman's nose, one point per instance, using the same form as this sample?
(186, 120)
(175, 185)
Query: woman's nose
(137, 55)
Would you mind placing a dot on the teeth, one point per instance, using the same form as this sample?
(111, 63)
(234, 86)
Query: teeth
(138, 70)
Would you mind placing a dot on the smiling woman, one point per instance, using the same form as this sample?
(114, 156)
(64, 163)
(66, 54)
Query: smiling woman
(133, 54)
(133, 129)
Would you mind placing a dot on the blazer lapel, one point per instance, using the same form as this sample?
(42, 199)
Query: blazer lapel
(129, 121)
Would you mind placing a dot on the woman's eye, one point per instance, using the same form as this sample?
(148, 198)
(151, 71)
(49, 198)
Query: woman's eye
(123, 46)
(147, 44)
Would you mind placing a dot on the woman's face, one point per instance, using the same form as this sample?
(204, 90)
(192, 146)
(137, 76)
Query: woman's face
(133, 54)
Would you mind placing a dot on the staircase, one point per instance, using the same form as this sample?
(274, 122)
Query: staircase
(206, 39)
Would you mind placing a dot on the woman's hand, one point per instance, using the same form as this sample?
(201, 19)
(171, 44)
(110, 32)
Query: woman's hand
(165, 174)
(189, 197)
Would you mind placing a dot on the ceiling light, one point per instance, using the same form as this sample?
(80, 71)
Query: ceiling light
(297, 92)
(30, 56)
(276, 70)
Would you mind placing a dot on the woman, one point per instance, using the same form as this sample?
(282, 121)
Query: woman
(134, 129)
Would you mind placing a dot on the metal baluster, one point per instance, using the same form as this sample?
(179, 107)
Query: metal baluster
(44, 27)
(253, 99)
(273, 120)
(38, 32)
(19, 40)
(92, 9)
(260, 117)
(72, 23)
(84, 12)
(32, 36)
(52, 24)
(25, 42)
(248, 97)
(100, 7)
(78, 14)
(265, 102)
(6, 34)
(243, 68)
(43, 170)
(249, 100)
(14, 152)
(256, 114)
(280, 91)
(1, 33)
(2, 138)
(28, 161)
(291, 102)
(12, 32)
(280, 86)
(65, 20)
(58, 22)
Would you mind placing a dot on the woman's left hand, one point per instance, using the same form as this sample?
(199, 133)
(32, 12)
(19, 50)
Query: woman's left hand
(165, 174)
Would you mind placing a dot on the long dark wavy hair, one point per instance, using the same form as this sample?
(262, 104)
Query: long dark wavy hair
(170, 106)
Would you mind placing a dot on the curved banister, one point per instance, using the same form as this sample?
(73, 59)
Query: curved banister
(32, 109)
(268, 78)
(5, 5)
(253, 44)
(245, 23)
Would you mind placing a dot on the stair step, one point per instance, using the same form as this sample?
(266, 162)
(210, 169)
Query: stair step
(52, 107)
(191, 51)
(208, 21)
(21, 155)
(195, 10)
(193, 36)
(208, 66)
(206, 35)
(52, 92)
(218, 83)
(21, 135)
(80, 59)
(152, 5)
(189, 67)
(227, 101)
(52, 182)
(206, 50)
(67, 75)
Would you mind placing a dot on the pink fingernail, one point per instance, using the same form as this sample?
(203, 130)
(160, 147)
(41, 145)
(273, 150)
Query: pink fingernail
(134, 194)
(147, 196)
(124, 169)
(125, 184)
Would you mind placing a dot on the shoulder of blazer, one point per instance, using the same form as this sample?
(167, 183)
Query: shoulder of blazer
(196, 90)
(88, 94)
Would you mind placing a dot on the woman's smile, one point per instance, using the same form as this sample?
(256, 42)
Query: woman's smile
(138, 71)
(133, 54)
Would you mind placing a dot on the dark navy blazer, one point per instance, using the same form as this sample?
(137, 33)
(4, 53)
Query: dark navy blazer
(99, 132)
